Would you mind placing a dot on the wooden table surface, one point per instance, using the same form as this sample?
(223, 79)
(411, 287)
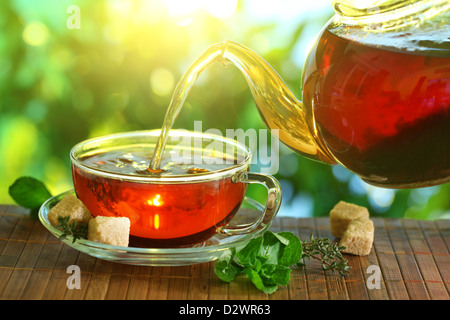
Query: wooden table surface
(410, 257)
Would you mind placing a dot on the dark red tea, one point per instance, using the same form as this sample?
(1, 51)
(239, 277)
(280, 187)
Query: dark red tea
(382, 113)
(162, 214)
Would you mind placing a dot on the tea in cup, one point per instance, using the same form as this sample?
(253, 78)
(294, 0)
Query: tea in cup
(200, 187)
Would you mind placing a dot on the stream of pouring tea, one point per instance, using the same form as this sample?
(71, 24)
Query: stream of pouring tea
(179, 96)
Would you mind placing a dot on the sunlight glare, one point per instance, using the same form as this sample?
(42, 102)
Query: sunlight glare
(156, 201)
(179, 8)
(216, 8)
(156, 221)
(221, 9)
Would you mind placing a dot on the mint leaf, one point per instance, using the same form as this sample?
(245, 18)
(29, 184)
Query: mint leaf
(248, 256)
(29, 193)
(224, 267)
(293, 252)
(275, 274)
(281, 237)
(256, 279)
(272, 248)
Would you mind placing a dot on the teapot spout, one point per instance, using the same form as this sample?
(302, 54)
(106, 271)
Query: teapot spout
(277, 105)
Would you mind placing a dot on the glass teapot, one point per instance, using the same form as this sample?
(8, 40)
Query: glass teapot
(376, 92)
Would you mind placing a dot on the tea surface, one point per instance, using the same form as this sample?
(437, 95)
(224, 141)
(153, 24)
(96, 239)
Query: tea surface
(136, 160)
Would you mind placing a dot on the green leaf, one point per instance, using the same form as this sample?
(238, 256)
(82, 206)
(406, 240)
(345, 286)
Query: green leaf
(281, 236)
(256, 279)
(272, 247)
(29, 192)
(248, 256)
(224, 268)
(275, 274)
(293, 252)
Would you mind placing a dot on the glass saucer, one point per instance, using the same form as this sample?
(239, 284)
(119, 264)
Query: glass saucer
(205, 251)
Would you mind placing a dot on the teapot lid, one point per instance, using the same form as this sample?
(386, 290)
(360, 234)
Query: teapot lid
(408, 25)
(388, 13)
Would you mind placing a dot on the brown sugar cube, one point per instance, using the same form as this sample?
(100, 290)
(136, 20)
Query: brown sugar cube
(69, 206)
(342, 214)
(110, 230)
(358, 237)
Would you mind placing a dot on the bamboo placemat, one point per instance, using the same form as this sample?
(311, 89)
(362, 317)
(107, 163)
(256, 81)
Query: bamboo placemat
(412, 257)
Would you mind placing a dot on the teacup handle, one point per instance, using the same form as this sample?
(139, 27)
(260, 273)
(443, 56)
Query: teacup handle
(272, 205)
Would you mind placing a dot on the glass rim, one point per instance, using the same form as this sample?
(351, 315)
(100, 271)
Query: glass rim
(355, 8)
(166, 179)
(390, 14)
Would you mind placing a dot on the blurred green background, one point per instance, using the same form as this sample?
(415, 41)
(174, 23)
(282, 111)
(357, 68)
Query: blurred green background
(60, 85)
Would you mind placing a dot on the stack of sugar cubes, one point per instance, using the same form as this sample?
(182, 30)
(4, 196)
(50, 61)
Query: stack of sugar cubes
(351, 223)
(108, 230)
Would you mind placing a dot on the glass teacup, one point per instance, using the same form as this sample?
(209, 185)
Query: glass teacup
(199, 190)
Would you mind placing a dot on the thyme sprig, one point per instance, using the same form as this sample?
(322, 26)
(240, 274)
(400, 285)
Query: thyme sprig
(328, 254)
(72, 228)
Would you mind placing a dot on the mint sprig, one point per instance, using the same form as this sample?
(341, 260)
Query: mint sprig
(29, 193)
(267, 260)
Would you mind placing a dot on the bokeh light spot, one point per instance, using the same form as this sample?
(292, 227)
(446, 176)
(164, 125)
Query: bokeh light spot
(35, 34)
(162, 82)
